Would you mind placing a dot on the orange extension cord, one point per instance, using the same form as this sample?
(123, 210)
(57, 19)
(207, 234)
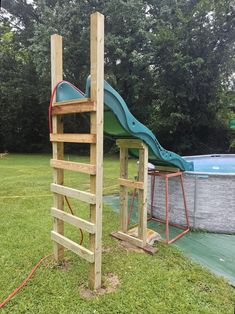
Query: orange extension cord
(11, 295)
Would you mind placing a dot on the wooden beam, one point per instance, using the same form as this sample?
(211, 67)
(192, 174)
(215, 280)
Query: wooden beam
(123, 189)
(142, 201)
(130, 143)
(128, 238)
(73, 246)
(75, 107)
(131, 183)
(147, 248)
(167, 169)
(73, 166)
(73, 220)
(57, 148)
(70, 192)
(96, 151)
(72, 102)
(73, 138)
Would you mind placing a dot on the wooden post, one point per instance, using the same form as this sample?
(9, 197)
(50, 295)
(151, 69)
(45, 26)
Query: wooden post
(123, 189)
(58, 148)
(141, 185)
(96, 150)
(142, 207)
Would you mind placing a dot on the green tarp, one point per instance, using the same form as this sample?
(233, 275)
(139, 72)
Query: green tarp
(214, 251)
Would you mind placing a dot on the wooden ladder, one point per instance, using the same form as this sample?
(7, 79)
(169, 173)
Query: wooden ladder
(141, 185)
(94, 106)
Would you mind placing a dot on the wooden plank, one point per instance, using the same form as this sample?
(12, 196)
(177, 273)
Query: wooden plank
(167, 169)
(70, 192)
(73, 138)
(123, 189)
(72, 102)
(73, 246)
(73, 166)
(73, 220)
(147, 248)
(57, 148)
(142, 203)
(73, 108)
(131, 183)
(128, 238)
(96, 151)
(130, 143)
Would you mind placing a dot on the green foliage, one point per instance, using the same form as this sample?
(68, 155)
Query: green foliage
(170, 60)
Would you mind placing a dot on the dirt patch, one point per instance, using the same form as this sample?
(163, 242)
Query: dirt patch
(111, 282)
(52, 264)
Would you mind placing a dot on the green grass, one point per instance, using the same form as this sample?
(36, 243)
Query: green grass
(164, 283)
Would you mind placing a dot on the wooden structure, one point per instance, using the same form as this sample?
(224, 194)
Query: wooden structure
(141, 186)
(94, 106)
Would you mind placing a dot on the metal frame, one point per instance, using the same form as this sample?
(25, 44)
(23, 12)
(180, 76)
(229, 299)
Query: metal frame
(166, 176)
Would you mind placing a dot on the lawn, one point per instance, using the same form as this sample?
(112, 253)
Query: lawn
(164, 283)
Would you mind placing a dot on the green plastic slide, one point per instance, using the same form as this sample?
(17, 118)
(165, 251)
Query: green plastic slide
(120, 123)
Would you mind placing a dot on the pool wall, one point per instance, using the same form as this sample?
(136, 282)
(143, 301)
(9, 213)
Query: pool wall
(210, 200)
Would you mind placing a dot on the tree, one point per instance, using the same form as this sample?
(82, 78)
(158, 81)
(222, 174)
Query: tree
(192, 48)
(169, 59)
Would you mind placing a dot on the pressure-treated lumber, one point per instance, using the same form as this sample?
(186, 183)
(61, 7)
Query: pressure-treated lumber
(70, 192)
(130, 143)
(142, 201)
(96, 151)
(95, 107)
(73, 166)
(128, 238)
(80, 101)
(73, 107)
(141, 185)
(131, 183)
(73, 246)
(123, 189)
(73, 138)
(58, 148)
(73, 220)
(147, 248)
(167, 169)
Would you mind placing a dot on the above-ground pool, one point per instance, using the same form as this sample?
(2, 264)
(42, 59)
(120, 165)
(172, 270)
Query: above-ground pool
(210, 194)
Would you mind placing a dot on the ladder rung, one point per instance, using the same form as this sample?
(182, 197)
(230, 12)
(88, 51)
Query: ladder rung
(73, 220)
(73, 138)
(73, 166)
(71, 102)
(73, 246)
(130, 143)
(131, 184)
(70, 192)
(73, 106)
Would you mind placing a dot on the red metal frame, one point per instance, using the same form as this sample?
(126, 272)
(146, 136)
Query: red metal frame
(167, 176)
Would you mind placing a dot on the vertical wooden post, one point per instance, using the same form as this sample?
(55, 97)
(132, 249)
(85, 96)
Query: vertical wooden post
(58, 148)
(142, 206)
(123, 189)
(96, 150)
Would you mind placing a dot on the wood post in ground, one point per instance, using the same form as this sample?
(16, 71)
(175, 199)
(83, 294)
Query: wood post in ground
(141, 185)
(96, 150)
(58, 148)
(94, 106)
